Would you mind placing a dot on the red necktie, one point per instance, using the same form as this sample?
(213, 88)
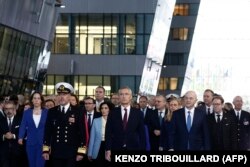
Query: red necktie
(125, 119)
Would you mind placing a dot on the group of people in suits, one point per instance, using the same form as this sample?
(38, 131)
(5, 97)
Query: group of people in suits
(66, 136)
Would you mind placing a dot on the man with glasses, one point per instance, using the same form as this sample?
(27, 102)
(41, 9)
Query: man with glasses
(9, 128)
(64, 137)
(222, 127)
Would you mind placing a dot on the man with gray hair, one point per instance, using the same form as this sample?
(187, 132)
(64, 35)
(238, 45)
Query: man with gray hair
(242, 119)
(188, 128)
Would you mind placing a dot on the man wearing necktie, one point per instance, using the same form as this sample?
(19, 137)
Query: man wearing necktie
(207, 99)
(91, 113)
(125, 126)
(65, 131)
(222, 127)
(242, 118)
(188, 128)
(9, 130)
(155, 121)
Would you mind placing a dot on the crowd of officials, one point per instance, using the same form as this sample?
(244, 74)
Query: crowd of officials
(62, 131)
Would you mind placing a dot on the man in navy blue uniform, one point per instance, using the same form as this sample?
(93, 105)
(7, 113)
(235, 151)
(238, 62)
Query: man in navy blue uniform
(64, 136)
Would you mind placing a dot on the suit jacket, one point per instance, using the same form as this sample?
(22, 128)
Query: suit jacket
(34, 134)
(198, 137)
(154, 124)
(227, 134)
(204, 109)
(9, 144)
(134, 134)
(96, 115)
(243, 130)
(95, 138)
(61, 134)
(147, 116)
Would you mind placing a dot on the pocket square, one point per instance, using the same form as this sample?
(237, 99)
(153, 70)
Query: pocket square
(17, 126)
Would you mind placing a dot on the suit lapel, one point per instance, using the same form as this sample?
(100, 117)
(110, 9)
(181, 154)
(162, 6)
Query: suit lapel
(42, 119)
(195, 118)
(130, 118)
(183, 119)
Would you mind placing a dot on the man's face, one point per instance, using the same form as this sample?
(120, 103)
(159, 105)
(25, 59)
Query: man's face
(143, 102)
(125, 96)
(238, 103)
(115, 99)
(9, 110)
(190, 100)
(207, 98)
(160, 103)
(63, 98)
(217, 105)
(89, 105)
(99, 94)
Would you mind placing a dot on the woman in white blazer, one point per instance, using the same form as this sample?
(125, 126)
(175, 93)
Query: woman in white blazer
(96, 148)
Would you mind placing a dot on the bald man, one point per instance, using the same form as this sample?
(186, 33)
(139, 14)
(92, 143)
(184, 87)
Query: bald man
(243, 124)
(188, 127)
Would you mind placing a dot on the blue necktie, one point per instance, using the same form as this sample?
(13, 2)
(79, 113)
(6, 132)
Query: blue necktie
(238, 115)
(188, 121)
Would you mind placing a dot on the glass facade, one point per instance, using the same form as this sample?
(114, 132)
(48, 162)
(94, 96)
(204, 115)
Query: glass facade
(20, 70)
(102, 34)
(85, 85)
(117, 34)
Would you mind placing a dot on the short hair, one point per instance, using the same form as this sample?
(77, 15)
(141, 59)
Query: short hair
(145, 97)
(209, 90)
(10, 102)
(50, 100)
(219, 98)
(101, 88)
(164, 97)
(125, 87)
(114, 94)
(90, 98)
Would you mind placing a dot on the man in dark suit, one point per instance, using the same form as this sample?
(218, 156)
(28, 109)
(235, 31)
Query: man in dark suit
(207, 99)
(125, 126)
(222, 127)
(188, 128)
(156, 120)
(90, 111)
(242, 118)
(90, 114)
(143, 102)
(64, 137)
(9, 128)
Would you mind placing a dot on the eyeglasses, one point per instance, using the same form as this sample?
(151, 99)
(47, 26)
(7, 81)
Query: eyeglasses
(8, 109)
(88, 103)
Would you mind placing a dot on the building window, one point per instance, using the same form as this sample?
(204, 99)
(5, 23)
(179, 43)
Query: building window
(102, 33)
(168, 84)
(179, 34)
(181, 10)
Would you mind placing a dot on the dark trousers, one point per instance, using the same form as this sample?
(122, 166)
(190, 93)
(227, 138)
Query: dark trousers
(10, 159)
(101, 153)
(61, 162)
